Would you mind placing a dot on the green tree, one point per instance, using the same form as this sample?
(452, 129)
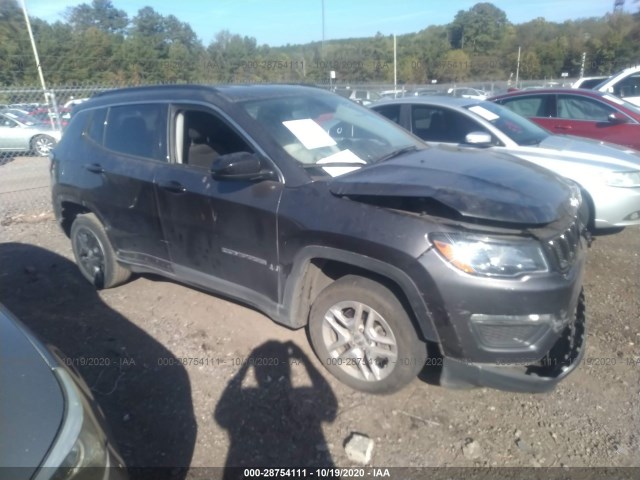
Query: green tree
(479, 29)
(454, 67)
(100, 14)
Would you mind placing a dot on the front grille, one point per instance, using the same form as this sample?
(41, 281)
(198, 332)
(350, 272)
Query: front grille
(564, 247)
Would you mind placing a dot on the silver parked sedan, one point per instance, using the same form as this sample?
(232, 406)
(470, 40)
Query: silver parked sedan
(609, 175)
(22, 134)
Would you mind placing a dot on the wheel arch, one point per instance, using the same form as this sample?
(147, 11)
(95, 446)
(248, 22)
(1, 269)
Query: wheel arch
(316, 267)
(67, 208)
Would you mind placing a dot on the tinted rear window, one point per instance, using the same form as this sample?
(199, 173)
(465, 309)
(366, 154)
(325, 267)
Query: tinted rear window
(138, 130)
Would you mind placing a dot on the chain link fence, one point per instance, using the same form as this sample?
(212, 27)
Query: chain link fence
(33, 121)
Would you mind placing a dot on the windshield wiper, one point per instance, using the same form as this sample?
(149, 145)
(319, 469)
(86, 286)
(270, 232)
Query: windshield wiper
(398, 152)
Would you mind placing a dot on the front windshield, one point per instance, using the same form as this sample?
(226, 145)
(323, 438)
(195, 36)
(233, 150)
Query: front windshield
(329, 133)
(517, 128)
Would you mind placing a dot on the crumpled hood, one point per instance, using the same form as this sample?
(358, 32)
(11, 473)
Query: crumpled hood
(476, 183)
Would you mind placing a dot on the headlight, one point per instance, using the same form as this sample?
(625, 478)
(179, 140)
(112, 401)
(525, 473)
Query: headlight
(80, 442)
(623, 179)
(479, 255)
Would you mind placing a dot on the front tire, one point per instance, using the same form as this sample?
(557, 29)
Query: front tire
(41, 145)
(94, 255)
(363, 335)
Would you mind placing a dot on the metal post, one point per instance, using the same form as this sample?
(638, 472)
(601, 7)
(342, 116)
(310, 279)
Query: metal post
(518, 68)
(323, 28)
(47, 97)
(584, 59)
(395, 68)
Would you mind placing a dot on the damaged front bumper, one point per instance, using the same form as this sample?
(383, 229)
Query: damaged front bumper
(542, 376)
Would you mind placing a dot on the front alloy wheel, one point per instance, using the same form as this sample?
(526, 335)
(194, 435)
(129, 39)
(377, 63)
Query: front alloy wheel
(363, 335)
(359, 341)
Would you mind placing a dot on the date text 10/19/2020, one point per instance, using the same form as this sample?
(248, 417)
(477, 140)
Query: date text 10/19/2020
(315, 472)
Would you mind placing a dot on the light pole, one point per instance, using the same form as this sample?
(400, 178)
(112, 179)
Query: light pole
(322, 28)
(47, 96)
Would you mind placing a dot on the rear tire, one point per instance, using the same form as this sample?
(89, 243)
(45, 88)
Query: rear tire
(363, 335)
(94, 255)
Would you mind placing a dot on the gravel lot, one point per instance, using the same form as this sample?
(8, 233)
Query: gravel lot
(133, 344)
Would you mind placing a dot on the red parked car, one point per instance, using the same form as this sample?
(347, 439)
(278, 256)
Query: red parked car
(47, 116)
(580, 112)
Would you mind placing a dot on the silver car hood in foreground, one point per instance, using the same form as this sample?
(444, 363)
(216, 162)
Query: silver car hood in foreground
(31, 400)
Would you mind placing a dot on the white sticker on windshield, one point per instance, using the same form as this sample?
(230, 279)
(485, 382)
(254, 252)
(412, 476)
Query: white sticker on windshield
(310, 134)
(611, 98)
(345, 156)
(484, 113)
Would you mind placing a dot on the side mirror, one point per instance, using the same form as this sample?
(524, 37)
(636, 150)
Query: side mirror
(617, 118)
(478, 139)
(238, 166)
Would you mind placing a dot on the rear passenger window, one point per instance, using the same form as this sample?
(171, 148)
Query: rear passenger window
(138, 130)
(526, 107)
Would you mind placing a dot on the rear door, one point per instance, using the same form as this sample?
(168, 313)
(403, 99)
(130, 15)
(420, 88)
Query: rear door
(124, 146)
(221, 233)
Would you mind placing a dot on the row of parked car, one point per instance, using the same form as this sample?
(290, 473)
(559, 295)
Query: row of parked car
(457, 230)
(32, 127)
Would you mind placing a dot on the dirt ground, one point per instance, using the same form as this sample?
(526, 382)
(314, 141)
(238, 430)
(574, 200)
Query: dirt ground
(168, 365)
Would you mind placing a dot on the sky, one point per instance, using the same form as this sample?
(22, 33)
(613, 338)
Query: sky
(278, 22)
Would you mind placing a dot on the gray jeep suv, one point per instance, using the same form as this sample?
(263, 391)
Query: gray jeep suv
(323, 214)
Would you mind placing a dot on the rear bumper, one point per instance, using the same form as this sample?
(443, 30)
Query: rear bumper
(542, 376)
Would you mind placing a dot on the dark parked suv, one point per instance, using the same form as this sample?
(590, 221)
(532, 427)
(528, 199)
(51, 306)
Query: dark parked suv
(323, 214)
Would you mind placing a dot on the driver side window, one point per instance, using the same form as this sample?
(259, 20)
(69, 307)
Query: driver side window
(201, 137)
(436, 124)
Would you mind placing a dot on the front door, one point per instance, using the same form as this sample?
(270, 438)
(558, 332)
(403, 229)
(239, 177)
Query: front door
(221, 233)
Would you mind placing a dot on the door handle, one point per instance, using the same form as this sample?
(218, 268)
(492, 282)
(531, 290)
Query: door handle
(94, 168)
(562, 127)
(173, 187)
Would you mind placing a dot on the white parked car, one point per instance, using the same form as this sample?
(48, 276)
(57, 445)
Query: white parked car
(588, 82)
(624, 84)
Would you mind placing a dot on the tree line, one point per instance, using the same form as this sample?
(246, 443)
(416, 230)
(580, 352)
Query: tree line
(98, 43)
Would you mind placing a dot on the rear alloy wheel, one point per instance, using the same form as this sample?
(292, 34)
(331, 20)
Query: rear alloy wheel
(41, 145)
(363, 335)
(94, 254)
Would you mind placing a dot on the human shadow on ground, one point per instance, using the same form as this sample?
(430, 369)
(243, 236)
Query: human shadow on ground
(142, 388)
(273, 424)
